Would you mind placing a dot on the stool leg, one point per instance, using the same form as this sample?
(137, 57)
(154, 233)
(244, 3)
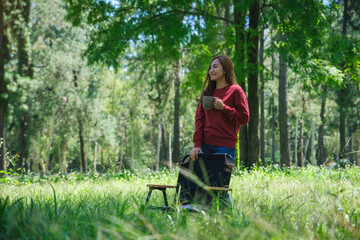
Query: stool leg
(148, 196)
(176, 193)
(165, 198)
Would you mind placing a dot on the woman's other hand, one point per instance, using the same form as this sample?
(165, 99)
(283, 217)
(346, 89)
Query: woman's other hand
(194, 153)
(218, 103)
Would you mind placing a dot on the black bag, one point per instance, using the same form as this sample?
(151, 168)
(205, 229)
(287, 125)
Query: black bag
(209, 170)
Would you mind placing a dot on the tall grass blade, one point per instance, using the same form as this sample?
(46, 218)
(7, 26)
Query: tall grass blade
(3, 205)
(55, 201)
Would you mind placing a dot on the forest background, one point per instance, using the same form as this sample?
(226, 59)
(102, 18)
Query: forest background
(98, 85)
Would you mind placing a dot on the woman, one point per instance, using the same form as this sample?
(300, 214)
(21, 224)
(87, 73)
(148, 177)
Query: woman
(216, 129)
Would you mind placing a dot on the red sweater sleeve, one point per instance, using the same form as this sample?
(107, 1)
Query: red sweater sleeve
(199, 126)
(239, 114)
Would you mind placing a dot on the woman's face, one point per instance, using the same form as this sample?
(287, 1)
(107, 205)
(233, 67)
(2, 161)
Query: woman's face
(216, 70)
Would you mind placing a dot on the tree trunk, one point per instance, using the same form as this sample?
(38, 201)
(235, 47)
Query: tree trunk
(82, 146)
(307, 153)
(342, 93)
(176, 145)
(34, 153)
(240, 46)
(49, 165)
(157, 163)
(102, 159)
(296, 141)
(253, 84)
(95, 156)
(170, 155)
(244, 141)
(342, 126)
(4, 57)
(83, 161)
(164, 145)
(83, 164)
(122, 147)
(226, 5)
(3, 138)
(262, 97)
(151, 133)
(358, 153)
(20, 163)
(46, 148)
(284, 112)
(312, 143)
(63, 163)
(126, 139)
(302, 160)
(132, 130)
(43, 157)
(137, 142)
(273, 109)
(273, 147)
(350, 142)
(24, 69)
(321, 151)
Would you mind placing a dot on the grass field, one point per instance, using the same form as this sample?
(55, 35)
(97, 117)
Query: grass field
(308, 203)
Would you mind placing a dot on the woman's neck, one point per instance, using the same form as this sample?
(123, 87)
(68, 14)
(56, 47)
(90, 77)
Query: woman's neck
(221, 83)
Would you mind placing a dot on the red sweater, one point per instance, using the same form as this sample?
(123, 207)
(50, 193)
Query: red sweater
(221, 127)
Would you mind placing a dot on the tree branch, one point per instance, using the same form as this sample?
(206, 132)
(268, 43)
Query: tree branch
(196, 13)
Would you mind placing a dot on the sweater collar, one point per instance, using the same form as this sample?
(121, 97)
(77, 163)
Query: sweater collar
(223, 88)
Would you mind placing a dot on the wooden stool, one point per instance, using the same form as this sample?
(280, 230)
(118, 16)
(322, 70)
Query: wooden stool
(199, 182)
(215, 191)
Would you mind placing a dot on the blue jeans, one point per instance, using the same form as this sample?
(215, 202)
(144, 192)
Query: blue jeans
(206, 148)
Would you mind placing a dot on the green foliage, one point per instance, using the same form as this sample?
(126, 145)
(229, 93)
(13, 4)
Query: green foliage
(345, 54)
(301, 23)
(323, 72)
(126, 23)
(197, 64)
(141, 42)
(278, 204)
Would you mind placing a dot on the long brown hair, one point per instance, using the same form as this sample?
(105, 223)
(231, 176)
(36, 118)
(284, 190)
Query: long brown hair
(210, 86)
